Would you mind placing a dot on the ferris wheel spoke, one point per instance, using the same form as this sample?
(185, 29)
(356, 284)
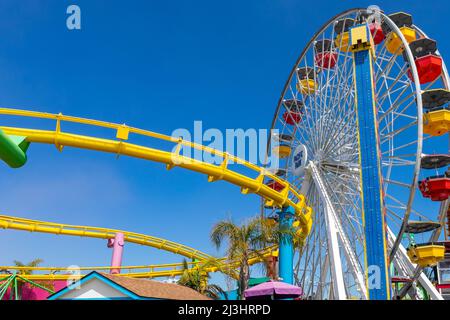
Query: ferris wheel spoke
(396, 219)
(350, 255)
(308, 120)
(395, 104)
(349, 205)
(322, 280)
(400, 204)
(409, 144)
(395, 115)
(343, 76)
(397, 183)
(402, 158)
(342, 105)
(399, 130)
(316, 270)
(304, 128)
(310, 252)
(384, 75)
(305, 252)
(397, 164)
(345, 123)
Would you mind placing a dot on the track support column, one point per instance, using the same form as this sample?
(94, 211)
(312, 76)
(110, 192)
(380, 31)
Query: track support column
(377, 277)
(286, 246)
(117, 244)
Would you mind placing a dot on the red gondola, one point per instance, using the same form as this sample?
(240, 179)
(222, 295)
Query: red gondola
(292, 117)
(326, 60)
(436, 188)
(325, 56)
(293, 113)
(275, 185)
(428, 63)
(428, 68)
(377, 32)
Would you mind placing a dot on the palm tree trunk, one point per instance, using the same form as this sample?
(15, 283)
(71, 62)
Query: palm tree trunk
(244, 275)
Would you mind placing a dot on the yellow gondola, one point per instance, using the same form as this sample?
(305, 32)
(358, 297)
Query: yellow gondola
(342, 41)
(437, 122)
(307, 86)
(282, 150)
(393, 42)
(426, 255)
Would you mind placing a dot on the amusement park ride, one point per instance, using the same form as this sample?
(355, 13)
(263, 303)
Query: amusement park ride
(363, 124)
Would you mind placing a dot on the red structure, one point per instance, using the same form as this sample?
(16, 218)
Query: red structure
(291, 117)
(293, 113)
(377, 33)
(325, 58)
(435, 188)
(428, 63)
(275, 185)
(429, 68)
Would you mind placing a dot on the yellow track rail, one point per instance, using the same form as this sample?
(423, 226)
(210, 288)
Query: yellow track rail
(8, 222)
(142, 271)
(289, 196)
(145, 271)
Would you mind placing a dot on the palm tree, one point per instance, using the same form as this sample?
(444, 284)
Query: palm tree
(32, 264)
(197, 278)
(245, 241)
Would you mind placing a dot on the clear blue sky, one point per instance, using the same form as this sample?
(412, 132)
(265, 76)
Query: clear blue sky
(158, 65)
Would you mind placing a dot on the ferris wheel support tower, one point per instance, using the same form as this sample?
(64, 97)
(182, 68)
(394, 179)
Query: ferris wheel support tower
(375, 250)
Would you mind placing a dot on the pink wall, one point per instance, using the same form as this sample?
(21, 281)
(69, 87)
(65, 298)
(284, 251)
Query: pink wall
(34, 293)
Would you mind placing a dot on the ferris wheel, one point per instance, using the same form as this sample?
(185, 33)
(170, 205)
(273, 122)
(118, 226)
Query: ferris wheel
(362, 131)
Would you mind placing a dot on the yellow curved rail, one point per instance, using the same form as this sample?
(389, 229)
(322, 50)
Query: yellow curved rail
(8, 222)
(143, 271)
(289, 196)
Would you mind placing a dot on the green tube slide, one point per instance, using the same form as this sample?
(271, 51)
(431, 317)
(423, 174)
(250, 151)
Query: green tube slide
(13, 150)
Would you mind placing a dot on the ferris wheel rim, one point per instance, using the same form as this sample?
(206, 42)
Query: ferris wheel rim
(418, 90)
(445, 205)
(302, 55)
(417, 93)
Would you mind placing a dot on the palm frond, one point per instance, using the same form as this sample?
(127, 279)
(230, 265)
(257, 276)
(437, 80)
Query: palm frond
(224, 229)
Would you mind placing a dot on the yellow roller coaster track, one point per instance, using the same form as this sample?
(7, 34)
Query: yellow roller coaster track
(8, 222)
(144, 271)
(289, 196)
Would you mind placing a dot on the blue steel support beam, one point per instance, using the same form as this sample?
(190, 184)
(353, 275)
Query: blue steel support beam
(377, 276)
(286, 246)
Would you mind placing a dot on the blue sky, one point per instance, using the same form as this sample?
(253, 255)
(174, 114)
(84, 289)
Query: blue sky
(158, 65)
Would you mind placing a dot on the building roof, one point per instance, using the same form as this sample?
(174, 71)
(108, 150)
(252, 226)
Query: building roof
(137, 288)
(155, 289)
